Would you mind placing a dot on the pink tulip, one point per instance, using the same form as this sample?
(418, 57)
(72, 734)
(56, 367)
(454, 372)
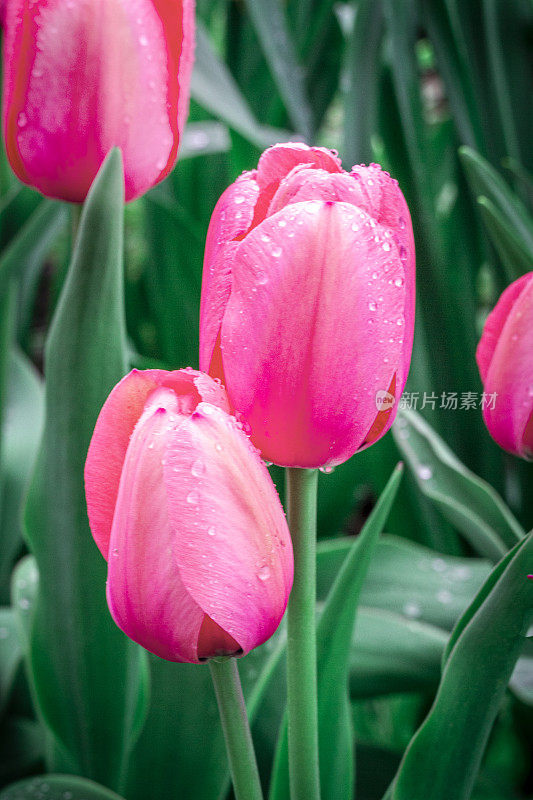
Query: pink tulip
(308, 303)
(186, 515)
(81, 76)
(505, 360)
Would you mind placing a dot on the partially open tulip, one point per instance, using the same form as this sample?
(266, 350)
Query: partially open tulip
(81, 76)
(505, 360)
(186, 515)
(308, 303)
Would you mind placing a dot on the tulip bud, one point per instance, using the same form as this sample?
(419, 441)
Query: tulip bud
(307, 306)
(186, 515)
(83, 76)
(505, 360)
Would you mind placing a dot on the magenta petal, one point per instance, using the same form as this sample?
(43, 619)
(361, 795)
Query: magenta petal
(232, 544)
(231, 219)
(495, 322)
(313, 329)
(509, 374)
(279, 160)
(145, 592)
(114, 427)
(83, 77)
(309, 183)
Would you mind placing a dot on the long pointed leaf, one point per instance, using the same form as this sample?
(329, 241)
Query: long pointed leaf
(82, 666)
(468, 502)
(443, 758)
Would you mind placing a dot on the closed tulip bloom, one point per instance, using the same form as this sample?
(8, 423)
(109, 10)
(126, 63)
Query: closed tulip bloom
(307, 306)
(83, 76)
(186, 515)
(505, 360)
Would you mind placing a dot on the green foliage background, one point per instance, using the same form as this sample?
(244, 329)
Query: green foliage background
(439, 92)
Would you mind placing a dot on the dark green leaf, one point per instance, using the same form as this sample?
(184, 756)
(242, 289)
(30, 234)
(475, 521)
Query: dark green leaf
(362, 82)
(465, 500)
(34, 239)
(484, 180)
(270, 23)
(516, 259)
(57, 787)
(214, 88)
(443, 758)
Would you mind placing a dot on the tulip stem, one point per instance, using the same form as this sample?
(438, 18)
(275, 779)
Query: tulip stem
(301, 642)
(239, 745)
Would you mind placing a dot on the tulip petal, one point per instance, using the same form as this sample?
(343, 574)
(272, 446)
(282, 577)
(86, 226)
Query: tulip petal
(145, 592)
(232, 544)
(82, 77)
(495, 322)
(114, 428)
(231, 218)
(509, 373)
(382, 198)
(279, 160)
(315, 315)
(309, 183)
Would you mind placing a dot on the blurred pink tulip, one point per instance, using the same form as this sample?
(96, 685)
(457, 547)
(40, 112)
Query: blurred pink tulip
(308, 302)
(81, 76)
(505, 360)
(186, 515)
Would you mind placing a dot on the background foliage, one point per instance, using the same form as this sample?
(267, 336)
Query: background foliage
(439, 92)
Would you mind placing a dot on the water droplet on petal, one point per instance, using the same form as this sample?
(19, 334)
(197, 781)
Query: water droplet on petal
(193, 497)
(264, 573)
(198, 468)
(212, 531)
(276, 252)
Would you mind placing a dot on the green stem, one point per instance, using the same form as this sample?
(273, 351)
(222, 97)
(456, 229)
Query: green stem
(239, 745)
(301, 642)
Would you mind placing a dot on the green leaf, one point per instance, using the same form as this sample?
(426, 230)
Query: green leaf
(213, 87)
(392, 654)
(20, 441)
(24, 583)
(21, 748)
(443, 758)
(86, 674)
(408, 579)
(334, 636)
(270, 23)
(362, 81)
(466, 501)
(484, 180)
(10, 655)
(34, 239)
(516, 259)
(455, 67)
(57, 787)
